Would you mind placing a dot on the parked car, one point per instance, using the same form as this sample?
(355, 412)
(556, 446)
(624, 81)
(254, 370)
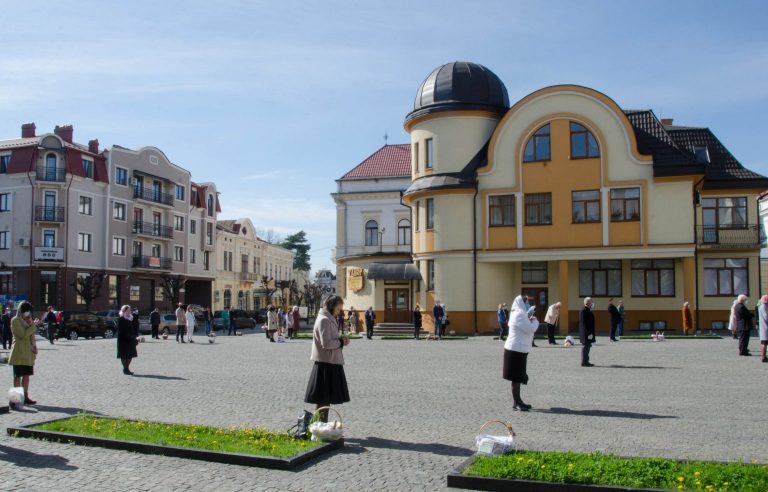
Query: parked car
(167, 324)
(242, 321)
(87, 324)
(109, 315)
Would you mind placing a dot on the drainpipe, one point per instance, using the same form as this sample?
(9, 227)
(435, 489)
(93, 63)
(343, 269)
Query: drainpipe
(696, 251)
(31, 226)
(410, 247)
(66, 235)
(474, 255)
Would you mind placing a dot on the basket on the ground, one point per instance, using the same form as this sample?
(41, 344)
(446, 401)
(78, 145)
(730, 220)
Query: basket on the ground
(326, 431)
(495, 445)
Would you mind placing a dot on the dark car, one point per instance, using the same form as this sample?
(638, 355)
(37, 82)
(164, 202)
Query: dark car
(76, 324)
(242, 320)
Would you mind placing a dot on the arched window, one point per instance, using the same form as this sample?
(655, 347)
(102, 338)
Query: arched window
(404, 232)
(371, 233)
(227, 298)
(210, 205)
(240, 299)
(583, 143)
(538, 148)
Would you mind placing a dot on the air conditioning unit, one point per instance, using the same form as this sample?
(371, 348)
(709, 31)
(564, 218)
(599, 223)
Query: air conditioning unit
(24, 242)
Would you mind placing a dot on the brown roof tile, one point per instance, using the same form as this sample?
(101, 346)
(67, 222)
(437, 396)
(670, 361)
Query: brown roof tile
(388, 161)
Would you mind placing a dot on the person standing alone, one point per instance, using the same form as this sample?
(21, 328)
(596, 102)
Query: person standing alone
(126, 339)
(190, 323)
(439, 314)
(586, 331)
(551, 319)
(615, 318)
(522, 327)
(181, 323)
(687, 319)
(763, 325)
(370, 319)
(154, 320)
(50, 322)
(501, 317)
(416, 321)
(620, 328)
(6, 326)
(743, 324)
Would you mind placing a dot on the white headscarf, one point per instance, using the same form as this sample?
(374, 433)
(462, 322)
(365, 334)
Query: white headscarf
(521, 327)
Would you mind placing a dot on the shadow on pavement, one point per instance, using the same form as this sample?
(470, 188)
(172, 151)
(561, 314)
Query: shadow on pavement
(155, 376)
(604, 413)
(434, 448)
(64, 410)
(619, 366)
(20, 457)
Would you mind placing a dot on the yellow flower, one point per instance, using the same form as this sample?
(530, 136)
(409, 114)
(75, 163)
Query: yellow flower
(530, 461)
(543, 466)
(680, 487)
(726, 483)
(570, 465)
(696, 474)
(681, 479)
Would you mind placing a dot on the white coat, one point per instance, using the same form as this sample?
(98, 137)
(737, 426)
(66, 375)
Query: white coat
(521, 328)
(190, 322)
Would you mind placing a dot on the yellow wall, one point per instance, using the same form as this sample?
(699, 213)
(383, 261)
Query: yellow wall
(455, 140)
(670, 213)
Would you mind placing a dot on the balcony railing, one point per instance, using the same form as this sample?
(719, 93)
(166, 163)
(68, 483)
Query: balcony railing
(750, 236)
(152, 195)
(248, 277)
(153, 262)
(49, 214)
(154, 230)
(51, 174)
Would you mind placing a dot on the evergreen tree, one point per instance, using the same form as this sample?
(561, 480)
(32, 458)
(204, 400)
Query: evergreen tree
(298, 243)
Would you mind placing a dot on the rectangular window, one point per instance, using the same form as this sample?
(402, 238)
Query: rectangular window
(416, 215)
(178, 222)
(85, 205)
(5, 239)
(180, 192)
(404, 232)
(416, 156)
(191, 255)
(118, 211)
(429, 147)
(49, 238)
(600, 278)
(206, 260)
(726, 276)
(724, 213)
(586, 206)
(121, 176)
(5, 202)
(88, 168)
(653, 278)
(113, 289)
(209, 233)
(502, 210)
(178, 253)
(4, 161)
(538, 209)
(6, 283)
(118, 246)
(193, 227)
(430, 214)
(652, 325)
(156, 249)
(84, 242)
(430, 274)
(534, 272)
(625, 204)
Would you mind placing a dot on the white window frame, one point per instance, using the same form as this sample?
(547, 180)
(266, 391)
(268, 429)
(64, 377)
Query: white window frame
(192, 226)
(81, 245)
(192, 256)
(5, 240)
(8, 199)
(127, 178)
(118, 238)
(91, 165)
(177, 248)
(125, 211)
(183, 193)
(80, 205)
(42, 237)
(176, 223)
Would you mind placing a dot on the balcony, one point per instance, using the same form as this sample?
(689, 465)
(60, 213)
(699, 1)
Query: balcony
(153, 196)
(56, 175)
(152, 262)
(153, 230)
(49, 214)
(747, 237)
(249, 277)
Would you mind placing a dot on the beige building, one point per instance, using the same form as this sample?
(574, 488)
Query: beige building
(242, 262)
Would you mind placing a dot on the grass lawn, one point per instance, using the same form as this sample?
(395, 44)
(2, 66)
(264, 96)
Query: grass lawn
(244, 440)
(604, 469)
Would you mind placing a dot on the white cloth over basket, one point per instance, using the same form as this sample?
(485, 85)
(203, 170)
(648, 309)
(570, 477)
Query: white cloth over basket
(495, 445)
(326, 431)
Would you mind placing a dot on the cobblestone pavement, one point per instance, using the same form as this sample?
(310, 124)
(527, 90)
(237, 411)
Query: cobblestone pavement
(415, 408)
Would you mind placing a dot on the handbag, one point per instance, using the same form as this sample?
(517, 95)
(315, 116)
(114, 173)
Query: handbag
(301, 429)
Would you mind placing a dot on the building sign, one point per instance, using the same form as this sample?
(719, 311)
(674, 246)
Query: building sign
(135, 293)
(154, 262)
(159, 294)
(355, 279)
(49, 254)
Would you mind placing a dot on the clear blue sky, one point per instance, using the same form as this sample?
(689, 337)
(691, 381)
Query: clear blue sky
(275, 100)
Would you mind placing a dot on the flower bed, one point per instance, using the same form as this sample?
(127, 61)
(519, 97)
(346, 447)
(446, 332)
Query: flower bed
(528, 470)
(238, 445)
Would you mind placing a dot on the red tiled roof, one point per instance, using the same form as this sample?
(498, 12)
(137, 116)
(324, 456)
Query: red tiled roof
(388, 161)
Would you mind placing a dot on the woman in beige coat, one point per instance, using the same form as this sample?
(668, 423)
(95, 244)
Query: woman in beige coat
(552, 319)
(24, 349)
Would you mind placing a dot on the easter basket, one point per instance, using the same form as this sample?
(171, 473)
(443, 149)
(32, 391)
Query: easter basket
(326, 431)
(494, 445)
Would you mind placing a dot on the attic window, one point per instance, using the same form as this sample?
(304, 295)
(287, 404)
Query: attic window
(245, 231)
(702, 154)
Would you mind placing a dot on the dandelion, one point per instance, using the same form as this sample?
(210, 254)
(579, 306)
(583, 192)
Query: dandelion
(680, 487)
(681, 479)
(725, 484)
(543, 466)
(696, 474)
(530, 461)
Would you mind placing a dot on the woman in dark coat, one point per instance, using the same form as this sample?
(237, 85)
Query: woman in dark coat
(416, 322)
(126, 339)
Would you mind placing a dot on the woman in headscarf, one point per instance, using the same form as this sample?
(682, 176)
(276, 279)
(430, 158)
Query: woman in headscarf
(732, 319)
(687, 319)
(516, 349)
(23, 349)
(126, 339)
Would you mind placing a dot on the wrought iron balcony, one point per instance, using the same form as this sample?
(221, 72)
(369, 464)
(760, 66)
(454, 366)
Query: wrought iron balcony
(152, 262)
(249, 277)
(49, 214)
(152, 195)
(154, 230)
(746, 237)
(51, 174)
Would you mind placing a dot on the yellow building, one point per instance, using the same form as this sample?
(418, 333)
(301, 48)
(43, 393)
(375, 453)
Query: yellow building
(564, 195)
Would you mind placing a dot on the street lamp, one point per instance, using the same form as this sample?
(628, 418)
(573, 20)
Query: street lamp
(381, 234)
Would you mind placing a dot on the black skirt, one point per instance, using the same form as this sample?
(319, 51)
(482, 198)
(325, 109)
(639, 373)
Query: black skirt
(19, 371)
(327, 384)
(515, 365)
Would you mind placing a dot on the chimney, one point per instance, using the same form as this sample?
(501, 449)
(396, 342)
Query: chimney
(666, 121)
(28, 130)
(65, 132)
(93, 146)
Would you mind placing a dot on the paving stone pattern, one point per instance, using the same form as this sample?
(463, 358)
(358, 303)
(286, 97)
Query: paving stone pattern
(416, 407)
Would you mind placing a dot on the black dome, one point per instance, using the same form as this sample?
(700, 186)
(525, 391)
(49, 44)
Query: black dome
(460, 86)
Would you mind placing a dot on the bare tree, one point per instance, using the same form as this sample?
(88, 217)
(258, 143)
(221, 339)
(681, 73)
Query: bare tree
(297, 295)
(269, 235)
(284, 287)
(268, 286)
(314, 296)
(171, 286)
(88, 287)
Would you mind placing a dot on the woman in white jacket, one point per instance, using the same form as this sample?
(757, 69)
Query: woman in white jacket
(190, 323)
(516, 349)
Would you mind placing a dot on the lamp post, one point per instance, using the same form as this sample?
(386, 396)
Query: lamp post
(381, 236)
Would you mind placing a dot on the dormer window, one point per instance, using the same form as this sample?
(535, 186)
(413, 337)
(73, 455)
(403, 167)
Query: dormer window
(88, 168)
(583, 143)
(702, 154)
(538, 146)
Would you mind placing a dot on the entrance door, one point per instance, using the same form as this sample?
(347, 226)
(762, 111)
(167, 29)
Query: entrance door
(539, 297)
(397, 307)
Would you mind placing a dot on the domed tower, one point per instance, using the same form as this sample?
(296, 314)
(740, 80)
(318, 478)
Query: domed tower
(456, 110)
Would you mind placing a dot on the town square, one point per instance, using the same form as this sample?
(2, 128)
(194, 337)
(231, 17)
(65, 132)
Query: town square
(334, 245)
